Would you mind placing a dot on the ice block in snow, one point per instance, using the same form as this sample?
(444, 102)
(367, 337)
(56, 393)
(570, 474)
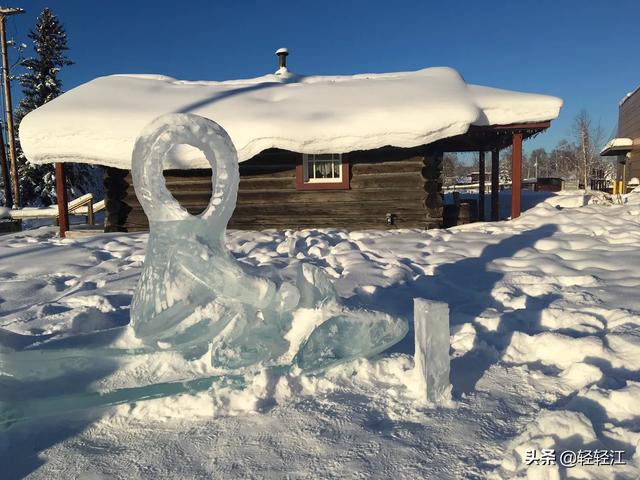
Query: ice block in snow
(431, 323)
(347, 336)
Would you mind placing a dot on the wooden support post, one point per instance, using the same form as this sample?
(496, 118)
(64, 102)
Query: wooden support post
(63, 205)
(90, 215)
(481, 182)
(495, 185)
(516, 175)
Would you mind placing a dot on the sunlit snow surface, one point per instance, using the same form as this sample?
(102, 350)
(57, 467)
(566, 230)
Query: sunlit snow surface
(545, 329)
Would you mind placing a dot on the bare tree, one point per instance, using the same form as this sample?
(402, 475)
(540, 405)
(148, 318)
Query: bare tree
(537, 164)
(575, 159)
(588, 138)
(563, 160)
(450, 168)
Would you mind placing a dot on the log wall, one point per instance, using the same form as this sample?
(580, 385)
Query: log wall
(383, 182)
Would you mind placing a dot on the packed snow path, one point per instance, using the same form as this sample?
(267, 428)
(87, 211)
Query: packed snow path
(545, 324)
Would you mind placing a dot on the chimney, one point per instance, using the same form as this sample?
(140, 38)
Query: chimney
(282, 59)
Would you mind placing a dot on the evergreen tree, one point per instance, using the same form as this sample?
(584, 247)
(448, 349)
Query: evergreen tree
(40, 84)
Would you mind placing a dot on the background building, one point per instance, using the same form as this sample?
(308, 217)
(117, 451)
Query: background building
(626, 145)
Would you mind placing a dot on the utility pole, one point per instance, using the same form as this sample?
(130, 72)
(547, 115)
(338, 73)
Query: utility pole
(6, 178)
(4, 13)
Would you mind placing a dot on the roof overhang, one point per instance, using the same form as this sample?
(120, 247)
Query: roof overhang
(489, 137)
(616, 147)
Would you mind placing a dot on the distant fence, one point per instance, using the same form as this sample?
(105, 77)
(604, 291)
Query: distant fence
(570, 185)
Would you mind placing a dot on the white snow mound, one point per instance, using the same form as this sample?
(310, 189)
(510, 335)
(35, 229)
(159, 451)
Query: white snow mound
(98, 121)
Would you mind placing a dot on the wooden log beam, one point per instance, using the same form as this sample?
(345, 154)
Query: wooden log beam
(61, 194)
(516, 175)
(117, 185)
(481, 189)
(433, 189)
(512, 126)
(524, 126)
(495, 185)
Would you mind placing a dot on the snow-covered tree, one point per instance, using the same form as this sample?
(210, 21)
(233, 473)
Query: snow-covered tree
(41, 84)
(504, 174)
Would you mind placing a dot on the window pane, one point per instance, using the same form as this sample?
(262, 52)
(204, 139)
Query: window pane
(310, 173)
(323, 169)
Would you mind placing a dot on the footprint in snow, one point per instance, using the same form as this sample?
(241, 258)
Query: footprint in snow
(102, 255)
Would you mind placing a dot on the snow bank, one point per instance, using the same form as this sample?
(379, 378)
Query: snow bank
(616, 406)
(579, 198)
(98, 121)
(557, 430)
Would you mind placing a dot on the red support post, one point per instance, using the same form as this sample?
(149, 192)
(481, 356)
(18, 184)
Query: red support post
(481, 186)
(495, 185)
(63, 204)
(516, 175)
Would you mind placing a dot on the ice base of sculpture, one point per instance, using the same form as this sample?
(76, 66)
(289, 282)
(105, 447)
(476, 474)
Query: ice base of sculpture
(193, 299)
(432, 363)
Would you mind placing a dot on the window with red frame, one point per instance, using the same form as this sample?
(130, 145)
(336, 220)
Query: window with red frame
(322, 171)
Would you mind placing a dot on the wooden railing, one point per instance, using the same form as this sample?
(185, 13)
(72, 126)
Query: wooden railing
(81, 206)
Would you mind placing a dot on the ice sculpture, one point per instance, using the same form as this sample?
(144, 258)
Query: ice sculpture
(432, 364)
(192, 291)
(192, 298)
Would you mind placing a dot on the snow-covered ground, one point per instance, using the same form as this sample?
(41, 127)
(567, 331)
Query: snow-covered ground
(545, 332)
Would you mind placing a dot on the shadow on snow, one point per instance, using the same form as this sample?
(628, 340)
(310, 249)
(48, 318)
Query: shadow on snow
(466, 285)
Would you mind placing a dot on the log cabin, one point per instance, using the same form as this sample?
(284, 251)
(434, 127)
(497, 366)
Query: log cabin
(357, 152)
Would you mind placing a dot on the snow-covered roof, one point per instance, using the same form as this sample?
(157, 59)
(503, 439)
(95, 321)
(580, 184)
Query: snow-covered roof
(99, 121)
(629, 95)
(617, 146)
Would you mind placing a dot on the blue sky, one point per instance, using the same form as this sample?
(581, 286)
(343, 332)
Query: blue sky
(585, 52)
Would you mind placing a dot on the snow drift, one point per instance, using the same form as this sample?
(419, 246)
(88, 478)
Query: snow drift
(97, 122)
(545, 336)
